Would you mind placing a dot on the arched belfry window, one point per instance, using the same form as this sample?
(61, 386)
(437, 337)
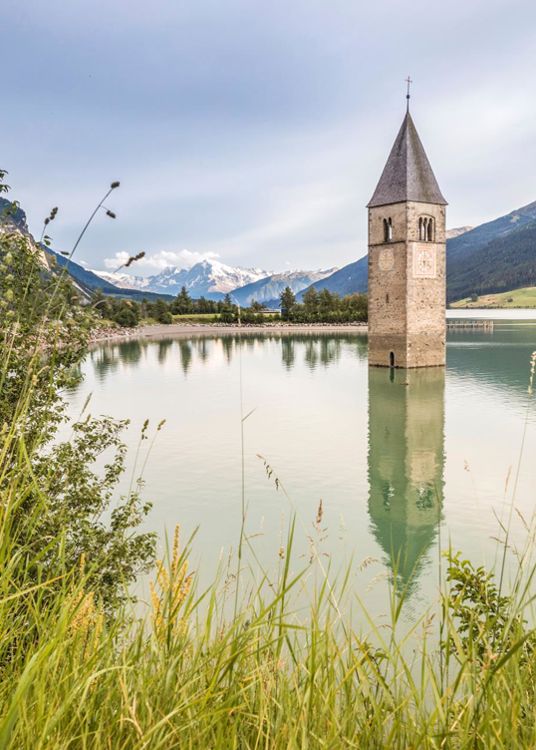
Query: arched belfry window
(387, 230)
(426, 229)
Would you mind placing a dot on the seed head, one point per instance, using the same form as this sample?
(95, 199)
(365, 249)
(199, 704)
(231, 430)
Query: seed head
(319, 513)
(115, 184)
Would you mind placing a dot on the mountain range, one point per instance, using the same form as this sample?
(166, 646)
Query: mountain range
(268, 290)
(212, 279)
(496, 256)
(208, 278)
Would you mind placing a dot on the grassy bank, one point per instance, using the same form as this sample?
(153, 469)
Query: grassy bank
(525, 297)
(188, 676)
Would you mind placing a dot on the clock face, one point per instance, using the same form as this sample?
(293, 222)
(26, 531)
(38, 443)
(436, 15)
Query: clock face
(424, 263)
(386, 261)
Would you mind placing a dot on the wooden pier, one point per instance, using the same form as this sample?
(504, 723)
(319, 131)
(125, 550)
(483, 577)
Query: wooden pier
(472, 325)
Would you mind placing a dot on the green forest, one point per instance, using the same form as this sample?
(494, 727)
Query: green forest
(316, 307)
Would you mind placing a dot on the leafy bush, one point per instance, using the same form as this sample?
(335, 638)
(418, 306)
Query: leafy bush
(43, 337)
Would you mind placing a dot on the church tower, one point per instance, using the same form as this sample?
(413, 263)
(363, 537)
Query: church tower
(406, 260)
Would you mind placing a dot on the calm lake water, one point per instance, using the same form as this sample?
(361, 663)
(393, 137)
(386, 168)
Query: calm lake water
(404, 462)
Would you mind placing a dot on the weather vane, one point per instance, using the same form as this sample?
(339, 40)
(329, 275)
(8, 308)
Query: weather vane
(408, 95)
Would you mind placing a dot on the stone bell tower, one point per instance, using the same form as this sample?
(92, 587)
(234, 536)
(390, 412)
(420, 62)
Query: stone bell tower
(406, 260)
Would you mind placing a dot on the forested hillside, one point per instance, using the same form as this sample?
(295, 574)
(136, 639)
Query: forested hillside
(498, 256)
(350, 279)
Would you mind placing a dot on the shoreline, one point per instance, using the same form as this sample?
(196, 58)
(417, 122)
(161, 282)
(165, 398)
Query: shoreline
(174, 330)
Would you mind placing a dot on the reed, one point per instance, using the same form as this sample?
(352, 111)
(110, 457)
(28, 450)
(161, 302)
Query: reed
(271, 676)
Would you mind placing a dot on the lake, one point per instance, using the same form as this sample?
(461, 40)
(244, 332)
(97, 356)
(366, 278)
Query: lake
(405, 462)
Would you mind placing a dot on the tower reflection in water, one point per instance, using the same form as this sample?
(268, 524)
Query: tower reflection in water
(405, 465)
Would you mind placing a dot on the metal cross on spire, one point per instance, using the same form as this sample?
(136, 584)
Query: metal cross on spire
(408, 95)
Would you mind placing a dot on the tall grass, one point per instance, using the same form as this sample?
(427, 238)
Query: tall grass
(187, 677)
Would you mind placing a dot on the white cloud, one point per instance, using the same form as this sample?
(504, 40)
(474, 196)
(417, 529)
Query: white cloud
(154, 262)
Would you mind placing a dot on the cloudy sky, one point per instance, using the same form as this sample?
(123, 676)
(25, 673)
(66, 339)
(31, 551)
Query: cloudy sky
(256, 132)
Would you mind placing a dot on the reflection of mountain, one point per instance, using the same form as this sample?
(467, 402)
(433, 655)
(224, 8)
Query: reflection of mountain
(406, 456)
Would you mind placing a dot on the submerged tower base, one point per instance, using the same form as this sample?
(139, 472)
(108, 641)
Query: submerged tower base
(406, 260)
(421, 350)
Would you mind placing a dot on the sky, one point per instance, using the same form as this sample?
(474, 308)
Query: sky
(254, 132)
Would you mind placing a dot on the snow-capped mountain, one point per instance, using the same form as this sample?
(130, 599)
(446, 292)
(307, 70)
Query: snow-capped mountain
(125, 280)
(268, 290)
(213, 279)
(457, 232)
(208, 278)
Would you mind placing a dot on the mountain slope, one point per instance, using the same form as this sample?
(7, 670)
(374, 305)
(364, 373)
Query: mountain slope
(504, 263)
(123, 280)
(86, 281)
(478, 237)
(13, 215)
(457, 231)
(347, 280)
(269, 289)
(91, 282)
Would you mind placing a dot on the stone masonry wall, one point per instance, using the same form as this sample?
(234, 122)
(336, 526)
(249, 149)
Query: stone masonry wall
(406, 287)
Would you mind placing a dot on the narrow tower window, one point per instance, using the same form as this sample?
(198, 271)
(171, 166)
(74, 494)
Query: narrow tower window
(391, 359)
(426, 229)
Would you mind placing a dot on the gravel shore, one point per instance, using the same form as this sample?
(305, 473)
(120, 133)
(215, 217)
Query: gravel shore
(175, 330)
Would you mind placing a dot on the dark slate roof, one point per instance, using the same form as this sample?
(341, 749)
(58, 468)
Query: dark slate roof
(407, 176)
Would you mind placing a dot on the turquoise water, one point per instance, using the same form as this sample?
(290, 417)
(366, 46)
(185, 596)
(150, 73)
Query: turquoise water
(404, 463)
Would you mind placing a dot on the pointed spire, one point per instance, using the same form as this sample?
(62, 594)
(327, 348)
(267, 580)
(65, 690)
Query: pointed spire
(408, 94)
(407, 175)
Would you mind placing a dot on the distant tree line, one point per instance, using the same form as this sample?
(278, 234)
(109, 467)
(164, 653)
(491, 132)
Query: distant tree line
(317, 307)
(128, 313)
(323, 307)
